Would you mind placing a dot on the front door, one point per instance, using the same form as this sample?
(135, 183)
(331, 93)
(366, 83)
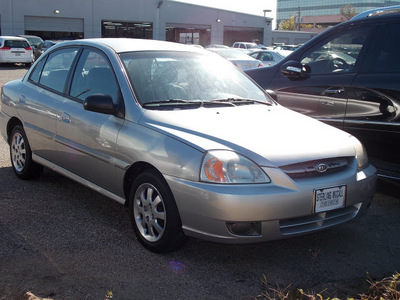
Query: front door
(333, 65)
(86, 140)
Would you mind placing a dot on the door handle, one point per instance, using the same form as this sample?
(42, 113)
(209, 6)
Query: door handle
(335, 91)
(325, 102)
(22, 99)
(65, 118)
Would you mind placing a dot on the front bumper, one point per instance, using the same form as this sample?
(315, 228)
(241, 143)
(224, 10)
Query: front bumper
(280, 209)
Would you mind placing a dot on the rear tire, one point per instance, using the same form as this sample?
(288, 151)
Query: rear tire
(21, 155)
(154, 214)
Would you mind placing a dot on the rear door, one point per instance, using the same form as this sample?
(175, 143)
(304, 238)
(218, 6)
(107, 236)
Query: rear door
(41, 97)
(373, 112)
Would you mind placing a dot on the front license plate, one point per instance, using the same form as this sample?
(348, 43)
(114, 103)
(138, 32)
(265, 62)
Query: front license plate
(329, 198)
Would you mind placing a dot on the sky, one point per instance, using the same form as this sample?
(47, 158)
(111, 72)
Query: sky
(254, 7)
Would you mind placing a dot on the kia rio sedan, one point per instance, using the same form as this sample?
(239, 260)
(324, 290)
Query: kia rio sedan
(185, 140)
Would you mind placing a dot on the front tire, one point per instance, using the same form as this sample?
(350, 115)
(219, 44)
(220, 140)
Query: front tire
(21, 155)
(154, 214)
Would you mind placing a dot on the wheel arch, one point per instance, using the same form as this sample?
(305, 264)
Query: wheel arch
(133, 172)
(10, 126)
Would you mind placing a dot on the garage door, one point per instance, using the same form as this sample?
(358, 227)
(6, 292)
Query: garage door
(53, 24)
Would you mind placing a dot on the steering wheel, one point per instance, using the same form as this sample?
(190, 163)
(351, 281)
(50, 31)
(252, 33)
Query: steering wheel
(338, 63)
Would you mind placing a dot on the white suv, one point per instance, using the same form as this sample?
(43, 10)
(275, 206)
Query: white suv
(15, 50)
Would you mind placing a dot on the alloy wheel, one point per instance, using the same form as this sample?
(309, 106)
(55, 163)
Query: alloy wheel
(18, 152)
(149, 212)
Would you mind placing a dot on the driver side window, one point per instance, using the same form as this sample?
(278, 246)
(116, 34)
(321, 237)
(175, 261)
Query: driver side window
(337, 54)
(94, 75)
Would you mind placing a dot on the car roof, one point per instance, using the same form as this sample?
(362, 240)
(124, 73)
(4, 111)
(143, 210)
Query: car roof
(121, 45)
(395, 9)
(16, 38)
(30, 36)
(246, 43)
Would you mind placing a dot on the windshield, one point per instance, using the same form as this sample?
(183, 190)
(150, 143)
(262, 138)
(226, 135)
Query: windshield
(167, 76)
(251, 46)
(33, 40)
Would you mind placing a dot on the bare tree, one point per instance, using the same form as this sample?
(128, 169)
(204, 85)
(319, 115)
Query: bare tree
(347, 12)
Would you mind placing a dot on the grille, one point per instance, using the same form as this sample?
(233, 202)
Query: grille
(318, 221)
(316, 167)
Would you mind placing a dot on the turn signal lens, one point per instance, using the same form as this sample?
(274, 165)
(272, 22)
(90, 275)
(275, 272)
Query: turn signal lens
(213, 170)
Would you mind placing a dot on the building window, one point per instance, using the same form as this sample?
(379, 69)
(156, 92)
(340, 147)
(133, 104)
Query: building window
(139, 30)
(55, 35)
(242, 34)
(188, 34)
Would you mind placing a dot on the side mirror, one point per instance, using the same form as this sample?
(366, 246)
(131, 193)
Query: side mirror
(99, 103)
(295, 70)
(273, 94)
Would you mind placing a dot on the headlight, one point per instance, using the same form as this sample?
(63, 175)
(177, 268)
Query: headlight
(221, 166)
(361, 153)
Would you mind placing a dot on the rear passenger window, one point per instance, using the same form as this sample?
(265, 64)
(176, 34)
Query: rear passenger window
(385, 58)
(35, 75)
(266, 57)
(55, 71)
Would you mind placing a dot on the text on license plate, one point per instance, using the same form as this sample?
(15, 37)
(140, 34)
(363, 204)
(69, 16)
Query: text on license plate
(329, 198)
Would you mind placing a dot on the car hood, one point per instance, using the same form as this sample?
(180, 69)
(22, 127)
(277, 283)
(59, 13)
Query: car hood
(269, 135)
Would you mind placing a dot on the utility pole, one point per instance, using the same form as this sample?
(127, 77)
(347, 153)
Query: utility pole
(298, 18)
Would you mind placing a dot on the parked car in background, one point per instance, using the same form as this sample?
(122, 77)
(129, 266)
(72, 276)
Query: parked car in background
(15, 50)
(48, 44)
(184, 139)
(36, 44)
(216, 46)
(267, 57)
(284, 53)
(245, 46)
(348, 77)
(238, 58)
(287, 47)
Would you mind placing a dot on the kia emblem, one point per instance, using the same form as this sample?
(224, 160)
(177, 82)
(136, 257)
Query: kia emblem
(321, 168)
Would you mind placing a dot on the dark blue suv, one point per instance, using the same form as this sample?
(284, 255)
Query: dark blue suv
(348, 77)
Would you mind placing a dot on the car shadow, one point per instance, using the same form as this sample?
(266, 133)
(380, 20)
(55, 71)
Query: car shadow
(9, 66)
(389, 187)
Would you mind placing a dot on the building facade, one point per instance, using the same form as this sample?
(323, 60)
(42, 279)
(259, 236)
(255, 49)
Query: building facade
(148, 19)
(323, 13)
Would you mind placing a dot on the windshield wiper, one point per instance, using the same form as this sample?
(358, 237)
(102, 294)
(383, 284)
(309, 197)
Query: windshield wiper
(172, 102)
(234, 101)
(200, 103)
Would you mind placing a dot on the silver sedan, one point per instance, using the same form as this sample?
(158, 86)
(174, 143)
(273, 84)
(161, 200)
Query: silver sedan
(238, 57)
(185, 140)
(267, 57)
